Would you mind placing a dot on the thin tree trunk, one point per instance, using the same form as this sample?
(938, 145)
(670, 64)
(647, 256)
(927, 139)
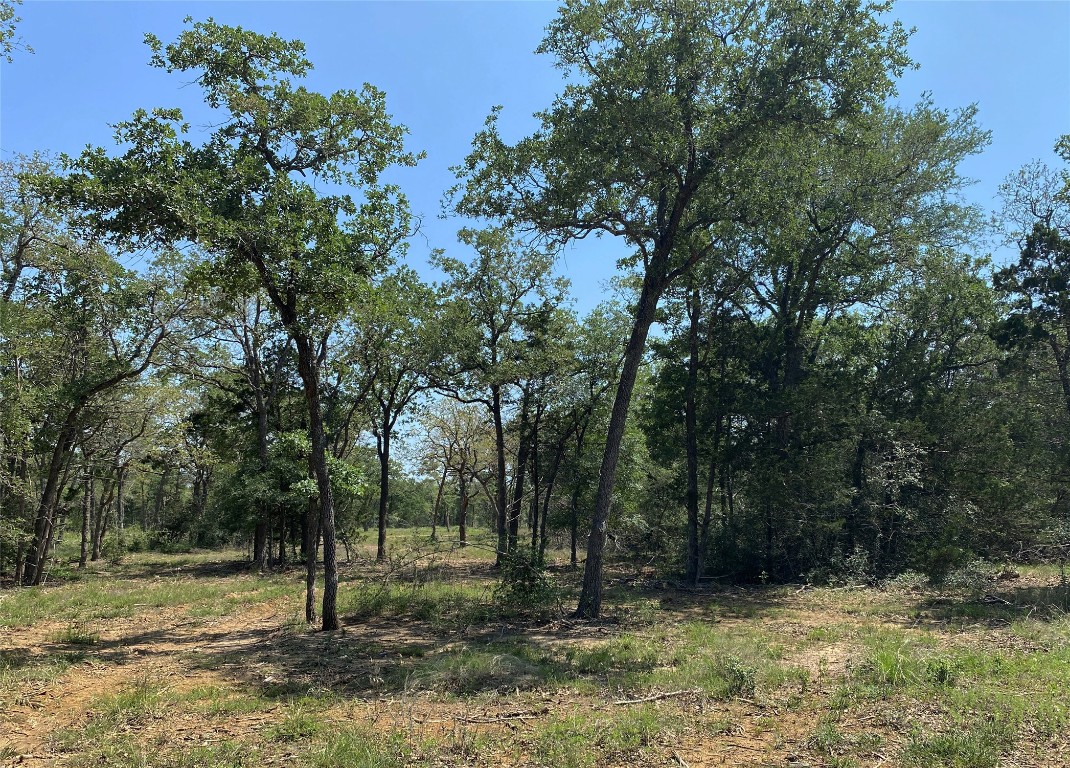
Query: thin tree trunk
(120, 506)
(382, 443)
(523, 450)
(99, 518)
(534, 513)
(20, 559)
(501, 499)
(590, 602)
(547, 495)
(462, 514)
(438, 505)
(282, 538)
(694, 564)
(161, 494)
(83, 551)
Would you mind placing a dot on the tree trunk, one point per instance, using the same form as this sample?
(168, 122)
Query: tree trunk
(590, 603)
(120, 506)
(501, 497)
(311, 547)
(102, 510)
(523, 450)
(282, 538)
(712, 479)
(33, 569)
(161, 494)
(547, 495)
(20, 559)
(83, 551)
(308, 368)
(438, 505)
(533, 515)
(694, 556)
(263, 522)
(382, 443)
(462, 514)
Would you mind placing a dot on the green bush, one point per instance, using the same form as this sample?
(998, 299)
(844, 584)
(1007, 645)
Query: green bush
(526, 588)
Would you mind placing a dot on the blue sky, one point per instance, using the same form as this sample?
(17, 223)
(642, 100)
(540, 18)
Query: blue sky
(443, 65)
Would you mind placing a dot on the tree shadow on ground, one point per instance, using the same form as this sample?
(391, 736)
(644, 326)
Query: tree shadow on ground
(390, 655)
(996, 607)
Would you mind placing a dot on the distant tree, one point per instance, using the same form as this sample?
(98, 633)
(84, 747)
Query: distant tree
(492, 302)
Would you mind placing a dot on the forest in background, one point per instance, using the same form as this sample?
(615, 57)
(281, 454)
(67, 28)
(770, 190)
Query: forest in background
(839, 383)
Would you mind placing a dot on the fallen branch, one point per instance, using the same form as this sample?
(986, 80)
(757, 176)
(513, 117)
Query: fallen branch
(658, 697)
(529, 715)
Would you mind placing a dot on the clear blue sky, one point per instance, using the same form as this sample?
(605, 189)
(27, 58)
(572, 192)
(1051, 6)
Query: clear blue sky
(444, 64)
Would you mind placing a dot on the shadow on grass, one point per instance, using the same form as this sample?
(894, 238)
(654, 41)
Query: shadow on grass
(997, 607)
(467, 649)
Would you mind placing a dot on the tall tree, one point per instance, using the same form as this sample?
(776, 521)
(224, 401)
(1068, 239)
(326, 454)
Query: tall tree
(652, 140)
(249, 194)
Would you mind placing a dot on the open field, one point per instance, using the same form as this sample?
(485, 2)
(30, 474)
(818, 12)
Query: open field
(189, 660)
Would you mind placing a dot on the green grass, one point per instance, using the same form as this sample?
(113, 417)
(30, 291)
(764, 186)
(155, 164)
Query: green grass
(358, 746)
(583, 741)
(443, 605)
(106, 599)
(933, 680)
(20, 668)
(501, 666)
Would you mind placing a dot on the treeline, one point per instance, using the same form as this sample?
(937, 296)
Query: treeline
(836, 378)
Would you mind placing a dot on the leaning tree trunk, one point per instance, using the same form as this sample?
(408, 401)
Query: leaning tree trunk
(33, 569)
(590, 603)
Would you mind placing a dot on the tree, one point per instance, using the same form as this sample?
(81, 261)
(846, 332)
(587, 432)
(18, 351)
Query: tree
(397, 347)
(653, 139)
(458, 444)
(492, 301)
(249, 194)
(1037, 215)
(9, 43)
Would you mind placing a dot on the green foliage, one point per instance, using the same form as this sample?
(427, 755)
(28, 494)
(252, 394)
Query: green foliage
(526, 588)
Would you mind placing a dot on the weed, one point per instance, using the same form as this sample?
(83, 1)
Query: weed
(581, 741)
(357, 747)
(77, 633)
(300, 723)
(973, 746)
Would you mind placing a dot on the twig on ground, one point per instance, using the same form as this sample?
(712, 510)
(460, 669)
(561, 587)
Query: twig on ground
(528, 715)
(658, 696)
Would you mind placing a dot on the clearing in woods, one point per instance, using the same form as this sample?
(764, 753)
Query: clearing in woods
(186, 661)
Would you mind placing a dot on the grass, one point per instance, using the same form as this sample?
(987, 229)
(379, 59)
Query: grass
(582, 741)
(100, 599)
(432, 670)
